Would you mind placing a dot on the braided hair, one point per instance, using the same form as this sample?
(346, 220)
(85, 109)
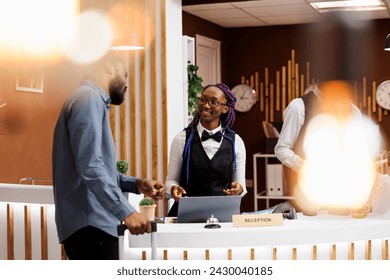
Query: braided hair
(227, 121)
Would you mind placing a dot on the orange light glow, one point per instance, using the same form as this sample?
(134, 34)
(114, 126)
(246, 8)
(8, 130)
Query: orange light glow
(339, 170)
(34, 26)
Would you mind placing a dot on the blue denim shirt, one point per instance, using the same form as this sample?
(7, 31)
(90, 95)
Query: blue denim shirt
(88, 189)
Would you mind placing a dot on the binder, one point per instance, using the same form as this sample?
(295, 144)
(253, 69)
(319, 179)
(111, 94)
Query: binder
(278, 173)
(274, 179)
(270, 179)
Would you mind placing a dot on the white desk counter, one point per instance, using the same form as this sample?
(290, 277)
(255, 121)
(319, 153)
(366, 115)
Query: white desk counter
(300, 238)
(321, 237)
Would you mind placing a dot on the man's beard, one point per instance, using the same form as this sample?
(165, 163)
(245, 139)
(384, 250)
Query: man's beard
(117, 90)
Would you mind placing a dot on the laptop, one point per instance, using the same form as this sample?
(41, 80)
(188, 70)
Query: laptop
(197, 209)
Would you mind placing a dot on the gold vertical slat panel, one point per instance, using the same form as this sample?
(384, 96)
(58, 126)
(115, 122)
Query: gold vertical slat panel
(261, 97)
(314, 252)
(373, 96)
(185, 255)
(27, 233)
(364, 92)
(153, 98)
(271, 102)
(44, 239)
(230, 254)
(133, 116)
(165, 254)
(257, 85)
(274, 253)
(123, 134)
(266, 81)
(10, 232)
(207, 254)
(252, 254)
(333, 252)
(294, 253)
(277, 91)
(164, 93)
(385, 249)
(284, 97)
(351, 251)
(368, 253)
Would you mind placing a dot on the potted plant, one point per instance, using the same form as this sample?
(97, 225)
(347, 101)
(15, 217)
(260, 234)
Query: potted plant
(122, 166)
(147, 206)
(194, 88)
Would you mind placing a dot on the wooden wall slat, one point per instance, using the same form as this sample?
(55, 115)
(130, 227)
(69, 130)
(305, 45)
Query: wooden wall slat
(164, 92)
(10, 232)
(27, 233)
(351, 251)
(153, 76)
(385, 249)
(314, 252)
(44, 239)
(133, 116)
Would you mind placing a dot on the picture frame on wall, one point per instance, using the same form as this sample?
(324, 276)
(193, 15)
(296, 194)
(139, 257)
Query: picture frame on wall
(29, 76)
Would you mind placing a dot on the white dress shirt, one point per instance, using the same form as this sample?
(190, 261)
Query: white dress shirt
(211, 147)
(294, 117)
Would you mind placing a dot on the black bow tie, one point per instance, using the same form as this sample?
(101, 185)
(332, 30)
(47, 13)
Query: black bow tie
(216, 136)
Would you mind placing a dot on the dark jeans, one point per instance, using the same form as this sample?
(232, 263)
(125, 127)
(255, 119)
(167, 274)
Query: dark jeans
(91, 243)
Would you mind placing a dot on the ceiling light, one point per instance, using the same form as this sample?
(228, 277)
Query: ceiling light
(350, 5)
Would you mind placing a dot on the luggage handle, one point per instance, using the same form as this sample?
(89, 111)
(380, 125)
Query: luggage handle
(122, 228)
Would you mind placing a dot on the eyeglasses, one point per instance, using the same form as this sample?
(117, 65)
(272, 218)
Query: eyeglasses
(212, 103)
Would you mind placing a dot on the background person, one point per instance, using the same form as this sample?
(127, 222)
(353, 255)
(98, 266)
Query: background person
(318, 98)
(208, 157)
(88, 189)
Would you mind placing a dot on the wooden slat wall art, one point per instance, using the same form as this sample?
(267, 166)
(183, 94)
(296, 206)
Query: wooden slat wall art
(10, 232)
(24, 248)
(368, 250)
(290, 82)
(27, 233)
(385, 249)
(140, 124)
(351, 251)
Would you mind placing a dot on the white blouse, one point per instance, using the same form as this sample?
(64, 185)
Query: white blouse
(211, 147)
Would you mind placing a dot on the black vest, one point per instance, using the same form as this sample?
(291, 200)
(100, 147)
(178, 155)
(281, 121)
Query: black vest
(311, 103)
(206, 177)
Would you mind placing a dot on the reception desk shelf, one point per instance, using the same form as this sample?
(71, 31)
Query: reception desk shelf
(260, 190)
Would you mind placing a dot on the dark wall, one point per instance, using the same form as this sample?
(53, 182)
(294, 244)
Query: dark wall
(335, 51)
(193, 25)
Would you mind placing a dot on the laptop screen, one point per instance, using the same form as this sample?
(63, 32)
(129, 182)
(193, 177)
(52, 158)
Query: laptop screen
(198, 209)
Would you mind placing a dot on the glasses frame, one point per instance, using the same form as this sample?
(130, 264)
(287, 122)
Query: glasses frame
(210, 102)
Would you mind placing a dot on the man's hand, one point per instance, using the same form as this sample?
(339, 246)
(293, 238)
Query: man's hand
(153, 189)
(235, 189)
(177, 192)
(138, 223)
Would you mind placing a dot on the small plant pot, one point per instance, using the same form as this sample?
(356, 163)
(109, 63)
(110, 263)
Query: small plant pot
(148, 211)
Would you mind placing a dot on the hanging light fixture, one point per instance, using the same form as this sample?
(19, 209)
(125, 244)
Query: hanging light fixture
(126, 18)
(130, 42)
(387, 44)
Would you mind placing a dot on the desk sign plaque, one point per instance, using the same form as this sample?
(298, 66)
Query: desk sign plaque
(258, 220)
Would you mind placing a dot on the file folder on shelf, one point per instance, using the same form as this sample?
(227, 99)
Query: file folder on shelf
(274, 180)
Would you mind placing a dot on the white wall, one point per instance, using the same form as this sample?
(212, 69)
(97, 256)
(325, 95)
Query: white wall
(174, 69)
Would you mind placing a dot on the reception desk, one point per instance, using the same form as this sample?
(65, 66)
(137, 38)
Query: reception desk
(321, 237)
(29, 232)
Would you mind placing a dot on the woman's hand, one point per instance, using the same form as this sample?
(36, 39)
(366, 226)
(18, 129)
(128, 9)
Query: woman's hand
(177, 192)
(235, 189)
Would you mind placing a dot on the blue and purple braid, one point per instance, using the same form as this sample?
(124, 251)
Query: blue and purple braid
(227, 121)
